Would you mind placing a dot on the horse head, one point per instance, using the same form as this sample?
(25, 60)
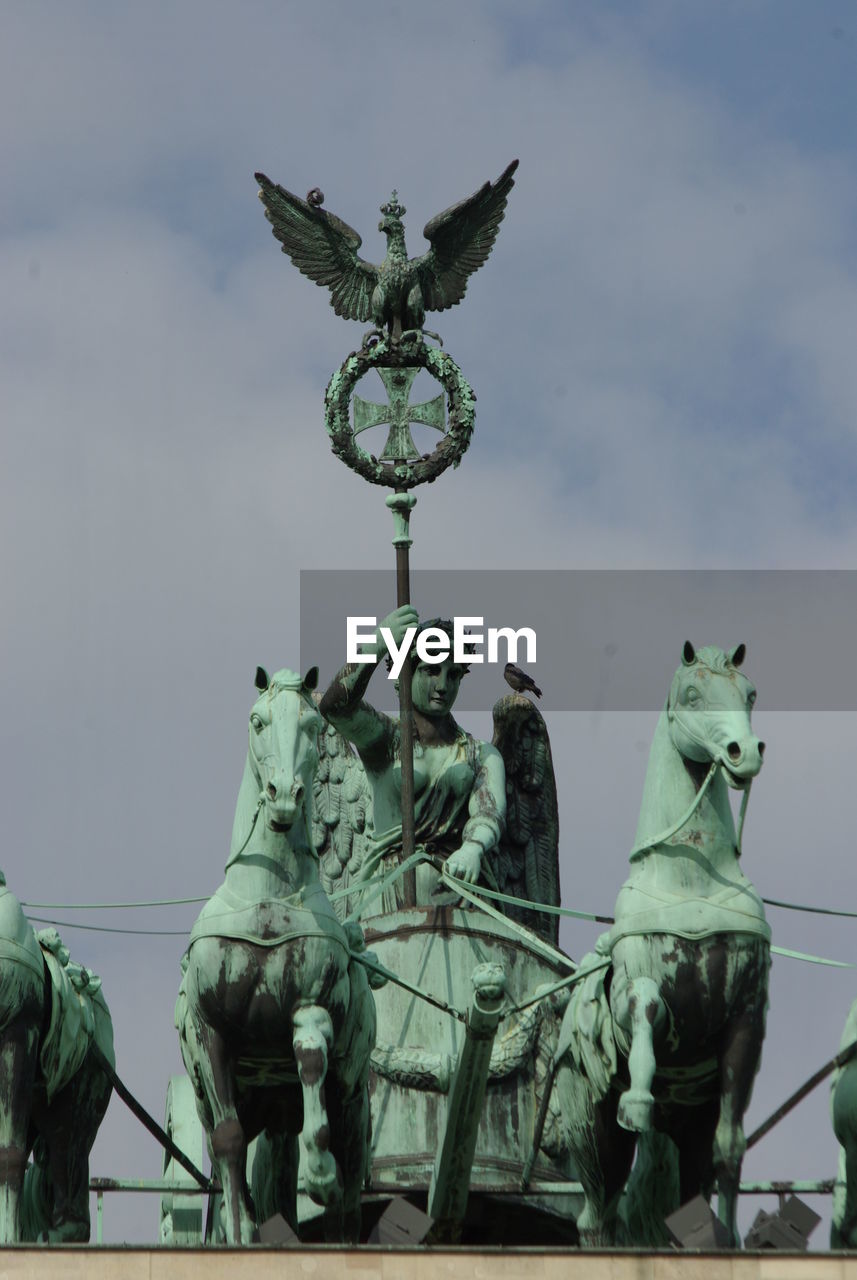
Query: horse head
(708, 711)
(283, 755)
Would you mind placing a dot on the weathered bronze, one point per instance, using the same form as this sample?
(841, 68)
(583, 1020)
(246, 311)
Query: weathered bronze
(425, 813)
(843, 1109)
(678, 1024)
(461, 785)
(276, 1021)
(396, 294)
(447, 1201)
(53, 1093)
(463, 790)
(399, 413)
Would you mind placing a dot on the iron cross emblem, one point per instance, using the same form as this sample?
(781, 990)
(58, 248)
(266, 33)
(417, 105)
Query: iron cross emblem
(399, 413)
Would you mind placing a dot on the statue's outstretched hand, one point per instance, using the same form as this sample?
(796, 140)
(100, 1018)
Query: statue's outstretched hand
(465, 862)
(397, 624)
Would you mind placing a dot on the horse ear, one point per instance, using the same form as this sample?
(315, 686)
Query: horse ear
(311, 679)
(262, 679)
(688, 654)
(738, 654)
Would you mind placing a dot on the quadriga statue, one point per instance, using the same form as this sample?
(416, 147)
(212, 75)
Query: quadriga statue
(664, 1035)
(54, 1023)
(276, 1022)
(487, 812)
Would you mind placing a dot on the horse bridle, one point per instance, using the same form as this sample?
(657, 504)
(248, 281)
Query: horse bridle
(663, 836)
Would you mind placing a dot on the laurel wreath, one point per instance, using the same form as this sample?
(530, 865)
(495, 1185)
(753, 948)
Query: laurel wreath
(460, 405)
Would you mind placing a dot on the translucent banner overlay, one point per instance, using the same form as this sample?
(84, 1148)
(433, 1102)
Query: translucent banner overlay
(610, 640)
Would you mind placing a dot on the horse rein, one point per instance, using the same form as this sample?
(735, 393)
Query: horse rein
(672, 714)
(663, 836)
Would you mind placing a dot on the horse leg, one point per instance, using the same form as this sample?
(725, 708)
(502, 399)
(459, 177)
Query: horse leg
(67, 1128)
(349, 1138)
(843, 1106)
(312, 1041)
(643, 1014)
(18, 1056)
(227, 1137)
(739, 1059)
(843, 1224)
(693, 1132)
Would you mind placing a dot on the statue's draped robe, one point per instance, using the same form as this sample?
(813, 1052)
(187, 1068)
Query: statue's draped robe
(463, 795)
(444, 806)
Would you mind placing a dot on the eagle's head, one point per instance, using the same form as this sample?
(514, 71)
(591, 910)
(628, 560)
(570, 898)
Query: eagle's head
(393, 213)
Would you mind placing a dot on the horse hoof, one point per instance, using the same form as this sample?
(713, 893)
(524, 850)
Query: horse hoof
(323, 1185)
(325, 1194)
(635, 1110)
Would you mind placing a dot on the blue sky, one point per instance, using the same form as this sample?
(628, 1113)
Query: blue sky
(662, 346)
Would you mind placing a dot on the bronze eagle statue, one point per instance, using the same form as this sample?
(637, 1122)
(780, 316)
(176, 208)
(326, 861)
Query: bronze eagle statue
(396, 294)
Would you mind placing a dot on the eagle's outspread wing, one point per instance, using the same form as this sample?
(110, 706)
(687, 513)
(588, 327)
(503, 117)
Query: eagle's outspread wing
(322, 247)
(461, 239)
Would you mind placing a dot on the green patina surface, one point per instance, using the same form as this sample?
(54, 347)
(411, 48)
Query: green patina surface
(53, 1093)
(276, 1022)
(397, 293)
(689, 957)
(424, 815)
(399, 413)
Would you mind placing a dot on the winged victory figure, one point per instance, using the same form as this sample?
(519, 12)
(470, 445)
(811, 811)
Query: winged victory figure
(397, 293)
(527, 858)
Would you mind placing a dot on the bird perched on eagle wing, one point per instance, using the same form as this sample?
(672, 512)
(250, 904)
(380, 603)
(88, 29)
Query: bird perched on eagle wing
(397, 293)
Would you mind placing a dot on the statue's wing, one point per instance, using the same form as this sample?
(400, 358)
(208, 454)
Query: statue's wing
(528, 857)
(341, 814)
(461, 239)
(322, 247)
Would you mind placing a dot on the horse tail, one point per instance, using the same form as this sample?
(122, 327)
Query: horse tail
(37, 1195)
(652, 1192)
(586, 1051)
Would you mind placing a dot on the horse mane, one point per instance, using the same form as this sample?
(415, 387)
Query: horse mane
(714, 658)
(246, 810)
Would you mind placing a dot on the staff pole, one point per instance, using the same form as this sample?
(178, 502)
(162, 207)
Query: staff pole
(401, 504)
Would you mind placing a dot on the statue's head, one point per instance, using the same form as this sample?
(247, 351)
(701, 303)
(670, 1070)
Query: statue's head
(434, 687)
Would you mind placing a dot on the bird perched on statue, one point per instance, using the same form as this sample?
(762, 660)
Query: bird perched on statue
(519, 680)
(397, 293)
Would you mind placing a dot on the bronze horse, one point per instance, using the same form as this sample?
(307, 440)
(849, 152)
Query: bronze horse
(667, 1036)
(276, 1021)
(53, 1092)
